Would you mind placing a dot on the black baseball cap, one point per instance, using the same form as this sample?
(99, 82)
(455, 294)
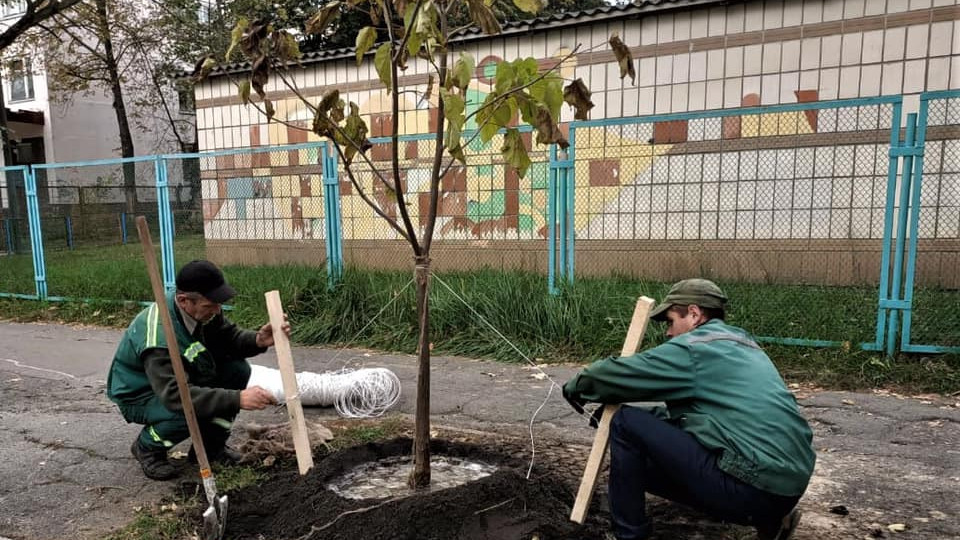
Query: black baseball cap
(700, 292)
(205, 278)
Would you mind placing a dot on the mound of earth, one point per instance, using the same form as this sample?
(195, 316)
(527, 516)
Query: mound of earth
(502, 506)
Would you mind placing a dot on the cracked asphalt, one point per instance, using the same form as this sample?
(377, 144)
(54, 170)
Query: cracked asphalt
(67, 472)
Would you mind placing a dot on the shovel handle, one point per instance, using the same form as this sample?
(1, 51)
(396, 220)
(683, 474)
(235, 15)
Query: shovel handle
(160, 298)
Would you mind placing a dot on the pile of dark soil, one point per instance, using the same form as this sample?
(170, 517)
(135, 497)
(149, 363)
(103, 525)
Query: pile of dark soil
(503, 506)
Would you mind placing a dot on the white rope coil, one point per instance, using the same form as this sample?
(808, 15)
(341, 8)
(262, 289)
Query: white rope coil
(361, 393)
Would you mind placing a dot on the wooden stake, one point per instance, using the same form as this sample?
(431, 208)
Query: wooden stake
(638, 327)
(281, 342)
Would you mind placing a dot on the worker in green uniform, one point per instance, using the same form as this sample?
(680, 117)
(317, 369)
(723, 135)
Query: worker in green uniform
(213, 351)
(731, 441)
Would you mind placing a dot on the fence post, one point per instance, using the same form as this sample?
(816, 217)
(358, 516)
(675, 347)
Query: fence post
(333, 234)
(889, 209)
(123, 227)
(166, 223)
(36, 235)
(914, 210)
(68, 224)
(8, 227)
(570, 173)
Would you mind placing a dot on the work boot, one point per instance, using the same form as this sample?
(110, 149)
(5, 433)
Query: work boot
(154, 463)
(785, 531)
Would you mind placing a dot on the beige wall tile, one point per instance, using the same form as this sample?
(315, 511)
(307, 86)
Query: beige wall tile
(850, 49)
(770, 89)
(698, 24)
(917, 41)
(751, 85)
(698, 94)
(872, 46)
(812, 11)
(714, 63)
(646, 100)
(648, 30)
(793, 13)
(809, 80)
(892, 78)
(717, 21)
(678, 100)
(938, 3)
(753, 18)
(681, 25)
(941, 38)
(789, 84)
(665, 28)
(830, 51)
(631, 98)
(956, 38)
(829, 83)
(919, 4)
(647, 71)
(664, 69)
(681, 68)
(735, 18)
(732, 92)
(771, 57)
(790, 55)
(874, 7)
(832, 10)
(734, 62)
(893, 44)
(698, 66)
(853, 9)
(714, 94)
(810, 53)
(752, 59)
(849, 82)
(773, 14)
(661, 102)
(896, 6)
(870, 80)
(955, 72)
(914, 76)
(938, 74)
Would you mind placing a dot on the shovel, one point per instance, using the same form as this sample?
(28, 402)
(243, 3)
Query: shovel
(215, 516)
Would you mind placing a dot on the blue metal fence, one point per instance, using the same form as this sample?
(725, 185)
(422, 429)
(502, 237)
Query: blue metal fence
(898, 182)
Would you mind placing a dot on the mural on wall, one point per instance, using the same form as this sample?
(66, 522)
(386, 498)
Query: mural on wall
(277, 195)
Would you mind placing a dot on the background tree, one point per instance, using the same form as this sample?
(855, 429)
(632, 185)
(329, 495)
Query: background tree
(415, 30)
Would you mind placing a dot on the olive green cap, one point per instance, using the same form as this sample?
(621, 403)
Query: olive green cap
(696, 291)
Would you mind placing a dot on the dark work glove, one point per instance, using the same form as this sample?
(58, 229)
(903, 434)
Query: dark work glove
(597, 416)
(574, 401)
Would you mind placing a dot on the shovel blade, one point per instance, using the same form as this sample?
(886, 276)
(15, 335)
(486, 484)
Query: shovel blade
(215, 519)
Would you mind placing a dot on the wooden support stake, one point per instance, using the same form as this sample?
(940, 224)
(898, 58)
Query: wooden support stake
(281, 342)
(638, 327)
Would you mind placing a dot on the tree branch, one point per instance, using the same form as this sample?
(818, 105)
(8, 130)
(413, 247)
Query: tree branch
(366, 198)
(32, 16)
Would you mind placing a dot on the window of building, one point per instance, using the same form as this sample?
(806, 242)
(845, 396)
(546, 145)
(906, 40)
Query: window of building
(21, 81)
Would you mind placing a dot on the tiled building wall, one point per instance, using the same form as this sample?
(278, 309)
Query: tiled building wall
(707, 179)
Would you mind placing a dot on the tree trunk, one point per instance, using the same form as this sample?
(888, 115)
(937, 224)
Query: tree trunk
(420, 477)
(126, 138)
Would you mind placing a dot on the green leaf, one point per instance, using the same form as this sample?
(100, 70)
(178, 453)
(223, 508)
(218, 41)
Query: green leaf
(382, 62)
(578, 96)
(244, 90)
(354, 136)
(236, 35)
(549, 91)
(365, 39)
(463, 71)
(624, 58)
(514, 152)
(285, 46)
(203, 67)
(454, 107)
(504, 77)
(319, 22)
(530, 6)
(482, 15)
(453, 143)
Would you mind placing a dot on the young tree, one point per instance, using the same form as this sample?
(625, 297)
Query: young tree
(417, 29)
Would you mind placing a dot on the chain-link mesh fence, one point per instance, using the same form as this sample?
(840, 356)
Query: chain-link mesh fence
(16, 263)
(270, 201)
(936, 287)
(764, 201)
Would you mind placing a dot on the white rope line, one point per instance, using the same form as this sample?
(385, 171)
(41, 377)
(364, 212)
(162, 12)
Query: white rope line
(361, 393)
(533, 446)
(371, 321)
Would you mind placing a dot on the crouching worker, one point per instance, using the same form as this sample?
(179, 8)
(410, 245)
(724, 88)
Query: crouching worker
(214, 353)
(731, 443)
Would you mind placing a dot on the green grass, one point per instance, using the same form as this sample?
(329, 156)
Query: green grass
(588, 320)
(155, 525)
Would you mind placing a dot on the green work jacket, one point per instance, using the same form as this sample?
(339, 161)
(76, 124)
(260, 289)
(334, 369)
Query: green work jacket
(720, 387)
(142, 369)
